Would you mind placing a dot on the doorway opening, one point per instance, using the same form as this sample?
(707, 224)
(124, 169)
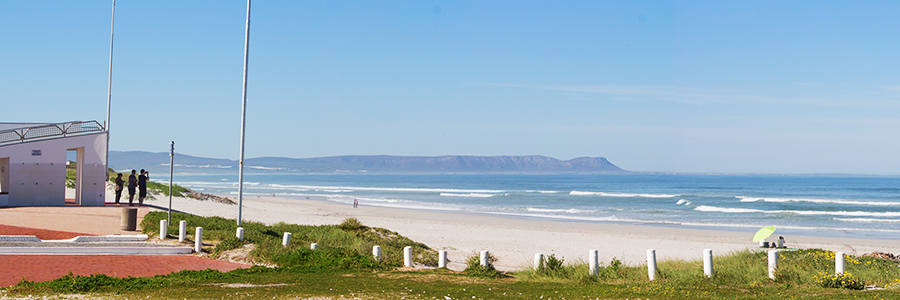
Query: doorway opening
(74, 176)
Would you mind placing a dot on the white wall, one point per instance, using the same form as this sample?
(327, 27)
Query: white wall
(41, 180)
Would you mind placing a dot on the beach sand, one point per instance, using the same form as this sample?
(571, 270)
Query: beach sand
(513, 241)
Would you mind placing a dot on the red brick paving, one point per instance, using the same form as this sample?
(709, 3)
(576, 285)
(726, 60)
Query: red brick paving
(48, 267)
(44, 234)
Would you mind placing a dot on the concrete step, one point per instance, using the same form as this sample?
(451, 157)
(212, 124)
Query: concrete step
(88, 245)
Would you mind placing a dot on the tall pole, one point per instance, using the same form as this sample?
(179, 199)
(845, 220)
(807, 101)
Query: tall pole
(171, 171)
(109, 82)
(243, 117)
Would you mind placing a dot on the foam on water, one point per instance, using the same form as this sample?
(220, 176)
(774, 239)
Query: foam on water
(626, 195)
(683, 201)
(706, 208)
(820, 201)
(386, 189)
(469, 195)
(867, 220)
(569, 211)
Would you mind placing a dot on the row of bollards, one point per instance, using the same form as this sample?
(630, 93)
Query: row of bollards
(593, 263)
(593, 255)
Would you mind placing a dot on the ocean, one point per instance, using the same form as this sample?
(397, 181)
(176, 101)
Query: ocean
(838, 206)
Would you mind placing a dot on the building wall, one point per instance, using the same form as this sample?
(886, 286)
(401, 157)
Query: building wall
(40, 180)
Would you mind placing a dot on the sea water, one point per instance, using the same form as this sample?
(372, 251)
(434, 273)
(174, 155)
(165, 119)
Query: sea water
(856, 206)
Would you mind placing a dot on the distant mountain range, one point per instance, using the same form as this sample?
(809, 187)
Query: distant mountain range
(374, 164)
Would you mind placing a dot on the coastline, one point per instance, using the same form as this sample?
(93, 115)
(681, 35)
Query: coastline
(513, 240)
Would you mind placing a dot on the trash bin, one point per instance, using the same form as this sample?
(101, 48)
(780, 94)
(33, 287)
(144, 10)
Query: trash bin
(129, 219)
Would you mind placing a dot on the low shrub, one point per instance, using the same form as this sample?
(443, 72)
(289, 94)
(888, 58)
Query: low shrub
(839, 281)
(475, 269)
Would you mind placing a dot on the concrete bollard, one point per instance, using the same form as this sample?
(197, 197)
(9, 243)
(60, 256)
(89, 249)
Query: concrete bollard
(538, 261)
(407, 256)
(182, 231)
(286, 239)
(839, 263)
(129, 219)
(313, 246)
(773, 263)
(240, 233)
(593, 262)
(198, 240)
(707, 263)
(163, 229)
(442, 259)
(485, 261)
(651, 264)
(376, 252)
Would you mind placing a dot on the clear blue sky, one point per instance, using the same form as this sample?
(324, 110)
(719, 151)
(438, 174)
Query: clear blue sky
(689, 86)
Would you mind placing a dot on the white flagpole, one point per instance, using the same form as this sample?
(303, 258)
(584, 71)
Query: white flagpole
(109, 83)
(243, 117)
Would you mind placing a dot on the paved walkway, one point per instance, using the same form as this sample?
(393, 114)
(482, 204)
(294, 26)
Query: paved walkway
(102, 220)
(66, 222)
(48, 267)
(44, 234)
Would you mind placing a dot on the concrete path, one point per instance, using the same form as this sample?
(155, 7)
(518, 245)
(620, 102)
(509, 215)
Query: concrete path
(82, 219)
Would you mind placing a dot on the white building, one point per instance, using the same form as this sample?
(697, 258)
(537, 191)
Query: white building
(33, 163)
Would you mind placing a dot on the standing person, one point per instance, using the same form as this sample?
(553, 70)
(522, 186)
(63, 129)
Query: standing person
(132, 183)
(355, 203)
(119, 187)
(142, 185)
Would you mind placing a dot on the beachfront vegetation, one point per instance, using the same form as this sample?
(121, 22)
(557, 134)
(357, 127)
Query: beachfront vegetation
(343, 267)
(349, 244)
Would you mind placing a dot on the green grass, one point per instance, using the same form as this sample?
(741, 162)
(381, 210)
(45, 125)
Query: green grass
(337, 240)
(344, 268)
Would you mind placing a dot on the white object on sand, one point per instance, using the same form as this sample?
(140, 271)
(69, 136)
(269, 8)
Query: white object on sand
(163, 226)
(773, 263)
(839, 263)
(376, 252)
(198, 240)
(651, 264)
(286, 240)
(182, 231)
(538, 260)
(407, 256)
(442, 259)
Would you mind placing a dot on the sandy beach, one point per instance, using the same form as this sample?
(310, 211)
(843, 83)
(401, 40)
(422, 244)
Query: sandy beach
(514, 241)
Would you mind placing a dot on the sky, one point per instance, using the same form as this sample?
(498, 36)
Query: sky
(780, 87)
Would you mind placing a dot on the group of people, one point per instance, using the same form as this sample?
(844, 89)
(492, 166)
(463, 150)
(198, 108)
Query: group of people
(138, 183)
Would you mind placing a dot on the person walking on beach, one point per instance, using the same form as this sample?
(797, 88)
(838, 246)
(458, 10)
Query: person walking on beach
(119, 187)
(355, 203)
(132, 184)
(142, 185)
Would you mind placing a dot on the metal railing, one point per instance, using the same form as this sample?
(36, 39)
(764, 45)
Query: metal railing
(47, 131)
